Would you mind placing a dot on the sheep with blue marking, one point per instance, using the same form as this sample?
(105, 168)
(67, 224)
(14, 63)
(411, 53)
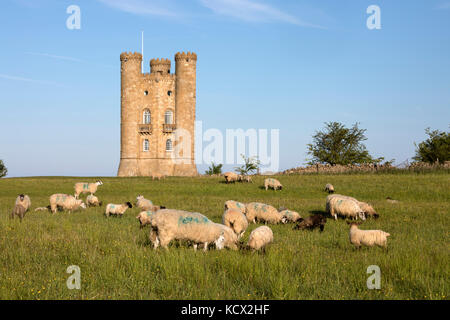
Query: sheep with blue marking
(65, 202)
(273, 184)
(85, 187)
(260, 212)
(117, 209)
(236, 220)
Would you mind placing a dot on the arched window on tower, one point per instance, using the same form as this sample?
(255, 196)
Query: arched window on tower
(168, 117)
(146, 145)
(169, 146)
(147, 117)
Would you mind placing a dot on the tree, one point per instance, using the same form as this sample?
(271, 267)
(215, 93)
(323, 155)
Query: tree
(250, 165)
(214, 169)
(435, 148)
(337, 144)
(3, 170)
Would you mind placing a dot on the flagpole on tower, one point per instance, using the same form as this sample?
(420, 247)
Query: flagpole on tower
(142, 43)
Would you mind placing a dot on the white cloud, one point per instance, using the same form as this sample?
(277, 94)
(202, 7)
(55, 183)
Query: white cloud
(15, 78)
(141, 7)
(253, 11)
(54, 56)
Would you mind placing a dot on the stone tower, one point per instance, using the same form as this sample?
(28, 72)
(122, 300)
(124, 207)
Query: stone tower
(157, 116)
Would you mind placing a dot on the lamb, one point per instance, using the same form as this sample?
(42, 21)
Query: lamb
(117, 209)
(263, 213)
(260, 238)
(244, 178)
(47, 208)
(24, 200)
(236, 220)
(145, 217)
(346, 207)
(291, 216)
(272, 183)
(231, 204)
(368, 238)
(19, 210)
(147, 205)
(170, 224)
(366, 208)
(66, 202)
(329, 188)
(84, 187)
(92, 201)
(312, 222)
(230, 177)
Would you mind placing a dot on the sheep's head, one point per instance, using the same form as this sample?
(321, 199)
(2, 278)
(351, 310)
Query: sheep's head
(284, 220)
(22, 197)
(362, 216)
(82, 205)
(129, 204)
(220, 242)
(99, 183)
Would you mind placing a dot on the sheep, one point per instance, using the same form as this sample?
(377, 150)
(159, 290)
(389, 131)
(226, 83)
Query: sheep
(263, 213)
(145, 217)
(244, 178)
(230, 177)
(368, 238)
(345, 207)
(84, 187)
(231, 204)
(272, 183)
(311, 222)
(92, 201)
(47, 208)
(329, 188)
(147, 205)
(66, 202)
(170, 224)
(236, 220)
(260, 238)
(291, 216)
(19, 210)
(117, 209)
(158, 176)
(365, 207)
(390, 200)
(24, 200)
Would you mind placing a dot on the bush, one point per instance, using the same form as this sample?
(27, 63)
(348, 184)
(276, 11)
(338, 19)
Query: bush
(214, 169)
(3, 170)
(435, 149)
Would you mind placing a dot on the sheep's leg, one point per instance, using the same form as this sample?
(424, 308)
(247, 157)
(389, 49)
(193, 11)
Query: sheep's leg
(195, 247)
(205, 247)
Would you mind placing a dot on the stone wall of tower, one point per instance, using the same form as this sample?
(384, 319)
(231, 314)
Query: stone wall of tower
(157, 92)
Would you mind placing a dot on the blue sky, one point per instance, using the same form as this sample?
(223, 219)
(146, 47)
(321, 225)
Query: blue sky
(290, 65)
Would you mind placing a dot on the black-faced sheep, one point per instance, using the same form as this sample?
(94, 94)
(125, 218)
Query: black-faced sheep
(312, 222)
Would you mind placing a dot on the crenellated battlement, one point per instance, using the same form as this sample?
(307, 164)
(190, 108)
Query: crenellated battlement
(161, 66)
(130, 56)
(185, 56)
(157, 62)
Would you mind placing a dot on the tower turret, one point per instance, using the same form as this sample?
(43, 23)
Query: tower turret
(130, 75)
(185, 97)
(160, 66)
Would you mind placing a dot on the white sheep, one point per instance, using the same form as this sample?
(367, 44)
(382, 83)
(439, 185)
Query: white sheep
(146, 205)
(345, 207)
(231, 177)
(117, 209)
(291, 216)
(368, 210)
(263, 213)
(170, 224)
(84, 187)
(231, 204)
(260, 238)
(24, 200)
(236, 220)
(145, 217)
(272, 183)
(369, 238)
(92, 201)
(329, 188)
(65, 202)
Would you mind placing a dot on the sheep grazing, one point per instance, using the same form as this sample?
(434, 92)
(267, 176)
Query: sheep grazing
(65, 202)
(236, 220)
(170, 224)
(368, 210)
(343, 206)
(147, 205)
(117, 209)
(84, 187)
(244, 178)
(263, 213)
(230, 177)
(273, 184)
(158, 176)
(231, 204)
(24, 200)
(19, 210)
(47, 208)
(260, 238)
(291, 216)
(312, 222)
(368, 238)
(145, 217)
(329, 188)
(92, 201)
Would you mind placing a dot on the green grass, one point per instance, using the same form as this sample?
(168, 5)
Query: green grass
(117, 261)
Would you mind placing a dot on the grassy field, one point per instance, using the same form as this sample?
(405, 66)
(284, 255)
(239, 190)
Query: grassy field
(117, 261)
